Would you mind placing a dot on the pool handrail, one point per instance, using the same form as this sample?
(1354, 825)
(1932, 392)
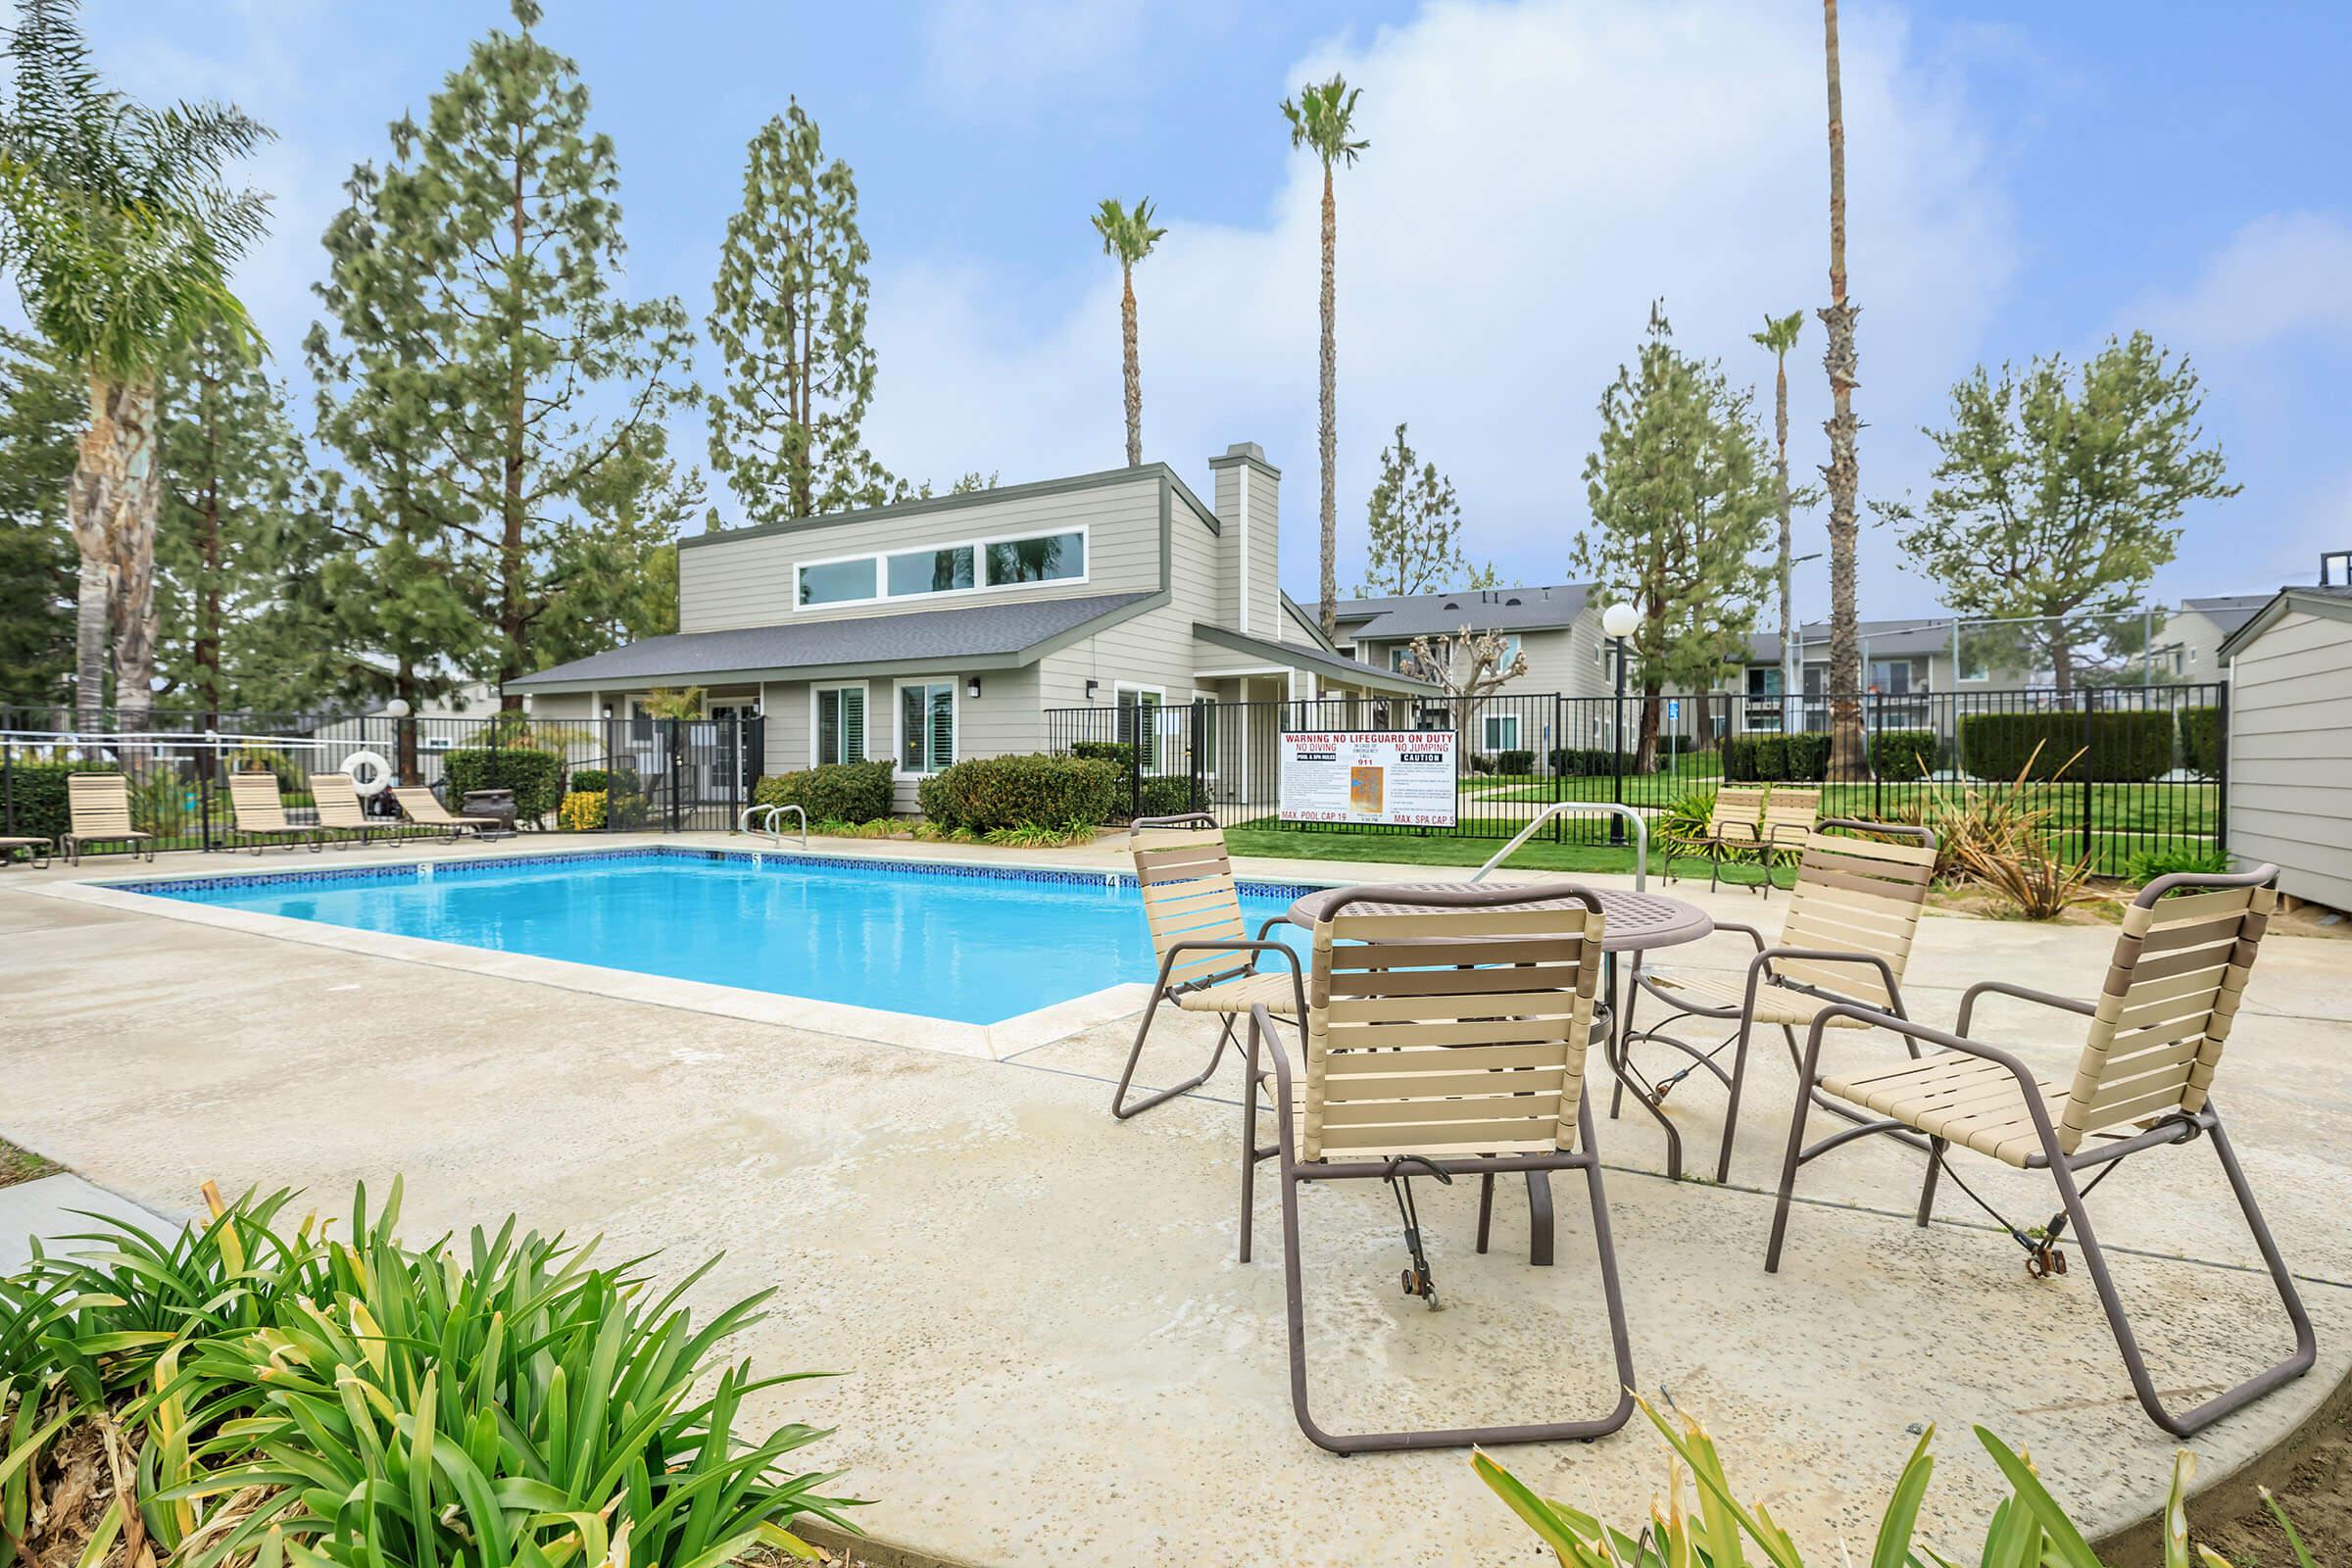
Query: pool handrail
(768, 829)
(1558, 807)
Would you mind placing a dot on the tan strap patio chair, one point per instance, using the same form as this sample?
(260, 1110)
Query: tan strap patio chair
(98, 810)
(2144, 1080)
(424, 808)
(261, 814)
(1207, 959)
(1446, 1033)
(1791, 813)
(36, 850)
(341, 812)
(1847, 937)
(1735, 828)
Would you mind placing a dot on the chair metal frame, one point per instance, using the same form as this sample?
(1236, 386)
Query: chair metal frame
(2182, 1124)
(1296, 1171)
(259, 837)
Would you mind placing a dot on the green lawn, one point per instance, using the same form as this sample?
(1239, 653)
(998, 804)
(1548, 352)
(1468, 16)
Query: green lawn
(1404, 849)
(23, 1165)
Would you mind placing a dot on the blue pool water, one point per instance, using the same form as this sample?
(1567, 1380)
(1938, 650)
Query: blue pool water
(973, 948)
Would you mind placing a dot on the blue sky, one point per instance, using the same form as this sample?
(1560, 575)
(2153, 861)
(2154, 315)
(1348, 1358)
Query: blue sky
(2025, 178)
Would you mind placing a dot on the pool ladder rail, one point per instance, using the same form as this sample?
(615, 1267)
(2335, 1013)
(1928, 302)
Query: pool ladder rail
(767, 828)
(1580, 808)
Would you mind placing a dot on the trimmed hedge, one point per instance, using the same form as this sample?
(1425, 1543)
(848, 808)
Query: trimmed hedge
(1900, 755)
(834, 792)
(535, 777)
(2201, 741)
(987, 793)
(1773, 759)
(1165, 797)
(37, 791)
(2119, 747)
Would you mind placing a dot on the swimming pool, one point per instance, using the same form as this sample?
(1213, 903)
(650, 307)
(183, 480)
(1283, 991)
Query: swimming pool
(975, 945)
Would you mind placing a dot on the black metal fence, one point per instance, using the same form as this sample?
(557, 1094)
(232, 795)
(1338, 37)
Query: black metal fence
(2122, 773)
(629, 774)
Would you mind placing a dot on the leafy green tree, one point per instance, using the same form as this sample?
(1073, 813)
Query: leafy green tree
(121, 230)
(240, 508)
(1323, 121)
(1415, 526)
(1127, 238)
(42, 407)
(1680, 494)
(1779, 336)
(2058, 497)
(508, 401)
(1844, 471)
(788, 314)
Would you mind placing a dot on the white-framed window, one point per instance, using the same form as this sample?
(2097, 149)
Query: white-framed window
(1500, 732)
(930, 571)
(926, 723)
(836, 724)
(1139, 720)
(1207, 742)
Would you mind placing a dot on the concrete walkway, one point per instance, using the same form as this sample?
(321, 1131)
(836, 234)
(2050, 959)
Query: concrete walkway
(1048, 1352)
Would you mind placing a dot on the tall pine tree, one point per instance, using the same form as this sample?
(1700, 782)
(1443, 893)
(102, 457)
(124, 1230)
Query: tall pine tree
(42, 407)
(505, 402)
(240, 519)
(788, 314)
(1681, 491)
(1413, 530)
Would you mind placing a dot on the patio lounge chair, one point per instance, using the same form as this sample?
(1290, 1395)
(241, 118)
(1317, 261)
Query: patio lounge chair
(340, 812)
(1791, 816)
(261, 815)
(1207, 962)
(1847, 937)
(1445, 1034)
(1735, 828)
(2142, 1082)
(36, 850)
(425, 808)
(98, 806)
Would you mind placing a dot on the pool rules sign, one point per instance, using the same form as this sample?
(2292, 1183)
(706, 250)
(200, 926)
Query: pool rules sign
(1397, 778)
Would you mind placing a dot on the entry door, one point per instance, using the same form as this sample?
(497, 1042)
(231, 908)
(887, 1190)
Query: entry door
(730, 770)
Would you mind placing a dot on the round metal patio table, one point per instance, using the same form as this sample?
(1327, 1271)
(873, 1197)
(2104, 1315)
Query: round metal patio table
(1637, 923)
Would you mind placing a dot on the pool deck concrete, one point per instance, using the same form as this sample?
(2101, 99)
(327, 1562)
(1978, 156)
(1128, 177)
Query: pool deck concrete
(1048, 1352)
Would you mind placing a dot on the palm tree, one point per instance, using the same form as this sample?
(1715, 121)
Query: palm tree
(1321, 118)
(1843, 473)
(1128, 237)
(1777, 339)
(122, 233)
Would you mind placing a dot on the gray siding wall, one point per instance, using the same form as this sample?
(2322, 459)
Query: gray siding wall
(1560, 660)
(749, 581)
(1002, 718)
(1156, 647)
(2291, 755)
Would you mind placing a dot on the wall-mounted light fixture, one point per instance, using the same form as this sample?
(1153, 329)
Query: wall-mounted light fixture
(1092, 687)
(971, 688)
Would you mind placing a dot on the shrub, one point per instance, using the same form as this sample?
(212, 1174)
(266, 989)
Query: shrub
(1901, 755)
(2109, 747)
(1022, 791)
(36, 791)
(1165, 797)
(2201, 740)
(582, 811)
(576, 1415)
(2147, 866)
(846, 792)
(1119, 752)
(1775, 759)
(1515, 763)
(1685, 821)
(2028, 1526)
(535, 777)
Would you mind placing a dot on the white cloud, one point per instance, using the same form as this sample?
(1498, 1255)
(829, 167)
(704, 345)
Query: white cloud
(1537, 174)
(2278, 279)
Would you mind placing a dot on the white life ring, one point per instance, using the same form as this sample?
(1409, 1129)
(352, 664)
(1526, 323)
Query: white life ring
(369, 773)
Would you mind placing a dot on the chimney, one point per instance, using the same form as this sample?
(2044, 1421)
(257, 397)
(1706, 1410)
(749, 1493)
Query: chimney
(1249, 538)
(2335, 566)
